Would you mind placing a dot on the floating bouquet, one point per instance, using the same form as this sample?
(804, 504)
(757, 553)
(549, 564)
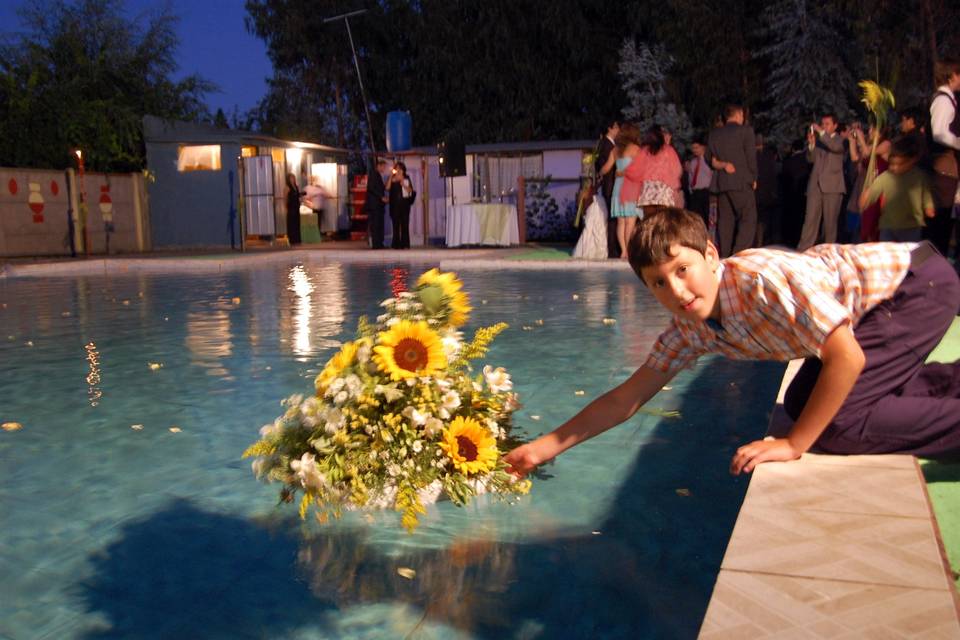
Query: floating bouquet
(398, 418)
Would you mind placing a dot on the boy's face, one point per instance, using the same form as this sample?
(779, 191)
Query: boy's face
(899, 165)
(698, 149)
(687, 284)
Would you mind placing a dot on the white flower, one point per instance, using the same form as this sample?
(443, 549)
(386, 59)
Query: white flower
(311, 411)
(411, 382)
(405, 295)
(443, 413)
(341, 397)
(432, 427)
(388, 302)
(476, 386)
(276, 428)
(363, 352)
(402, 306)
(388, 391)
(451, 346)
(495, 429)
(392, 321)
(417, 446)
(353, 384)
(336, 386)
(308, 472)
(416, 418)
(393, 469)
(443, 384)
(382, 317)
(260, 466)
(334, 421)
(512, 403)
(497, 379)
(450, 400)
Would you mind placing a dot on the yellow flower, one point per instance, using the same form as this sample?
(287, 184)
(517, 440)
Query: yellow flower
(336, 365)
(409, 349)
(449, 288)
(470, 447)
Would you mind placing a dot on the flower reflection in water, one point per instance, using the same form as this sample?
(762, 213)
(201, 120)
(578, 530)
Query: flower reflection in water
(94, 393)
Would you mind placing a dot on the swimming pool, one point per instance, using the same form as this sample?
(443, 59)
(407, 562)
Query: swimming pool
(127, 513)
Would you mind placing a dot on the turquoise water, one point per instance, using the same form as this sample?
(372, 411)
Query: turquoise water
(116, 526)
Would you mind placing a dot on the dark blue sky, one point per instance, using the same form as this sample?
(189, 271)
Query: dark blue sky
(213, 43)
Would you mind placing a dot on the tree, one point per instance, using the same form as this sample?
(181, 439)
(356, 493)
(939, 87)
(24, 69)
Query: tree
(644, 71)
(84, 76)
(808, 72)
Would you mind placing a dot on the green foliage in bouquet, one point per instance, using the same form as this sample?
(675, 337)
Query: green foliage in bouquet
(398, 417)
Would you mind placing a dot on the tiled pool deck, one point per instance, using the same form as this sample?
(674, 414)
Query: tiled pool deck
(824, 547)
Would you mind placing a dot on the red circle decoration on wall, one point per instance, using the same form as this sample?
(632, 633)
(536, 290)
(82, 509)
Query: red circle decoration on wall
(12, 185)
(54, 187)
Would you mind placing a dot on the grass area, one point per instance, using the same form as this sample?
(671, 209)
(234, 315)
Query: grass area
(943, 478)
(544, 253)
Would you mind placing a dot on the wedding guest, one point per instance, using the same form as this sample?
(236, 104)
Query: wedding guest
(657, 169)
(293, 210)
(825, 149)
(698, 176)
(903, 194)
(625, 191)
(732, 153)
(860, 145)
(944, 149)
(373, 206)
(605, 168)
(401, 196)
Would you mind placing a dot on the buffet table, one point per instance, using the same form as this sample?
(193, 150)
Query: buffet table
(476, 223)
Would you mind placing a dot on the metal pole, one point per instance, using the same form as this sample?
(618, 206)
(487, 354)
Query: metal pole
(356, 65)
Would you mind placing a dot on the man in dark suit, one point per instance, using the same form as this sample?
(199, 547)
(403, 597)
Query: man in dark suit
(826, 187)
(373, 206)
(606, 173)
(732, 153)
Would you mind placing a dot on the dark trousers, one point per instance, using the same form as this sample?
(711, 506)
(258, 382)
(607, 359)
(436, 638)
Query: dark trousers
(899, 404)
(698, 201)
(939, 228)
(401, 228)
(375, 227)
(613, 246)
(736, 221)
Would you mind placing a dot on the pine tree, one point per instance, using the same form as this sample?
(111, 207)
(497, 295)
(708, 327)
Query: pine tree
(643, 70)
(807, 70)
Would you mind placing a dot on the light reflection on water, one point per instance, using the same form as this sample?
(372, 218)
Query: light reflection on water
(95, 510)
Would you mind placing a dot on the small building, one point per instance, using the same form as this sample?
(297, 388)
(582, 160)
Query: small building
(214, 187)
(552, 172)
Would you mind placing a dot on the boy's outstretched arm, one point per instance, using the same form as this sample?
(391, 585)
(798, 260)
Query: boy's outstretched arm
(605, 412)
(843, 360)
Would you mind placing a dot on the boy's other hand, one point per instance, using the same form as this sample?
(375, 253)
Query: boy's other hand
(523, 460)
(767, 450)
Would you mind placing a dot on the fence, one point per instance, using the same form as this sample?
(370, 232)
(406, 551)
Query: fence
(49, 213)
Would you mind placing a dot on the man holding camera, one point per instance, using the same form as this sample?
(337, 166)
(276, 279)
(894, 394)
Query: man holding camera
(825, 187)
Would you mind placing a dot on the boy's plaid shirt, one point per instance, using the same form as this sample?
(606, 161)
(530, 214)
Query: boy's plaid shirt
(781, 305)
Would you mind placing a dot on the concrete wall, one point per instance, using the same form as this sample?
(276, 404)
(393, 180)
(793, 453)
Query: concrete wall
(36, 206)
(192, 208)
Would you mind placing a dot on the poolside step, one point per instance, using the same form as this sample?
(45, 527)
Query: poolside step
(834, 547)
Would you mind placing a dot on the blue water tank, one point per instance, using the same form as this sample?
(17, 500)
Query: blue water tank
(399, 136)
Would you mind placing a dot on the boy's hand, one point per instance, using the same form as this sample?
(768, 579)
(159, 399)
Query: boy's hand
(523, 460)
(767, 450)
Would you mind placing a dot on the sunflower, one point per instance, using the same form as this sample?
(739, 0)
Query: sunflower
(436, 288)
(335, 366)
(470, 447)
(409, 349)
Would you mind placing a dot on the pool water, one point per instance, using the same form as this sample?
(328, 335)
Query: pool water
(127, 512)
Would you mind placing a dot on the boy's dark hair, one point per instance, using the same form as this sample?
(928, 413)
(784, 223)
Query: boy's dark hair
(914, 113)
(905, 147)
(832, 116)
(660, 229)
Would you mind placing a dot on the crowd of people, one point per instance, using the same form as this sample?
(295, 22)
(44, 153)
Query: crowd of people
(830, 186)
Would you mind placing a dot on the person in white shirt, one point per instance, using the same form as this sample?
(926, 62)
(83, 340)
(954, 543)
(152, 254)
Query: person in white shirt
(945, 134)
(698, 174)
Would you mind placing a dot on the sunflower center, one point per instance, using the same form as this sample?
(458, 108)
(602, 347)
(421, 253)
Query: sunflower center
(411, 354)
(467, 448)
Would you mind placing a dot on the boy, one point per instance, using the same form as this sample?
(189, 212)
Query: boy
(904, 194)
(865, 317)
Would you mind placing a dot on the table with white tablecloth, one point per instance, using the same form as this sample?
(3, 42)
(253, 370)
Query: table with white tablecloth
(479, 223)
